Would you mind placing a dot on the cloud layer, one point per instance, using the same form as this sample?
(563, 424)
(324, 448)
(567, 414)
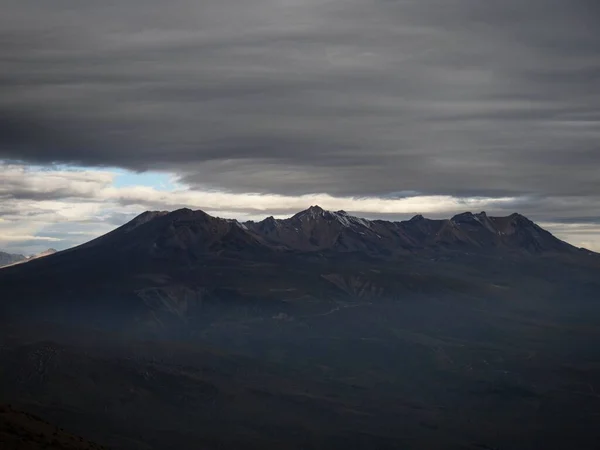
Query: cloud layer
(381, 107)
(347, 97)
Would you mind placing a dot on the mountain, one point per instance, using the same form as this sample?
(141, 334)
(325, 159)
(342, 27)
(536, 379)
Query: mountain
(316, 229)
(186, 235)
(183, 330)
(48, 252)
(8, 259)
(182, 235)
(179, 266)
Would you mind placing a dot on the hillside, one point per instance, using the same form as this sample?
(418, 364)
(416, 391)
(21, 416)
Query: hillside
(26, 431)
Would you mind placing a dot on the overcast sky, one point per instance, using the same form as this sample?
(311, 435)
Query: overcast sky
(385, 108)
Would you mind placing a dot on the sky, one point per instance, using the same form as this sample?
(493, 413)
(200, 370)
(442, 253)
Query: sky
(383, 108)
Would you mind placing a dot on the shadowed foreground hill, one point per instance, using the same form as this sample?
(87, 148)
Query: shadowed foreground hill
(25, 431)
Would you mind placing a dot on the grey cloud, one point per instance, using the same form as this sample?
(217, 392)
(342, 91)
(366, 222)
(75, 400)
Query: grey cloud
(20, 185)
(344, 97)
(54, 194)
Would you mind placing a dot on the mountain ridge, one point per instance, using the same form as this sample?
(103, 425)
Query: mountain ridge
(167, 267)
(317, 229)
(9, 259)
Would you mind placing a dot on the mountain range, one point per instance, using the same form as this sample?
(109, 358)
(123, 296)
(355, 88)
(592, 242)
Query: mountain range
(322, 330)
(190, 235)
(157, 233)
(8, 259)
(316, 229)
(173, 265)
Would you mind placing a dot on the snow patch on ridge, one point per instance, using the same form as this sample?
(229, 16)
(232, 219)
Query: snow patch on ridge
(348, 221)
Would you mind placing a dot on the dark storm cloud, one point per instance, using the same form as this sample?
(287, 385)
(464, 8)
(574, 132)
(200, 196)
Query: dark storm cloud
(345, 97)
